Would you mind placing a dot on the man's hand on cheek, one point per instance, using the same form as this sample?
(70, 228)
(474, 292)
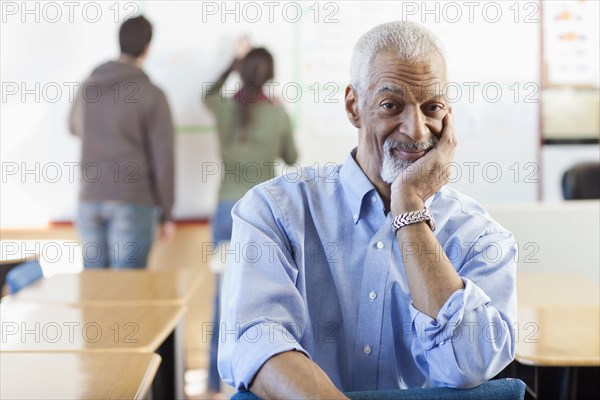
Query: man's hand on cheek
(428, 174)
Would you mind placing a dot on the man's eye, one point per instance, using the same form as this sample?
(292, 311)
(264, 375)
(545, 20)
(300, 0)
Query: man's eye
(388, 106)
(434, 107)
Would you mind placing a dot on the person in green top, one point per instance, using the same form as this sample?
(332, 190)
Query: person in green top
(253, 132)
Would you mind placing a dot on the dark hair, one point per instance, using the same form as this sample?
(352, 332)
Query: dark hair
(255, 70)
(134, 36)
(257, 67)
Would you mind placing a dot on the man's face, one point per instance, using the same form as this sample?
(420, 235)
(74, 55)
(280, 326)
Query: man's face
(401, 118)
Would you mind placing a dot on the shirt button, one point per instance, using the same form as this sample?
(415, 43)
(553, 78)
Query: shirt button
(373, 199)
(379, 245)
(372, 295)
(367, 349)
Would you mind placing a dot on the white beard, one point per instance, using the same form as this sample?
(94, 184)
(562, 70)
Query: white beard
(392, 167)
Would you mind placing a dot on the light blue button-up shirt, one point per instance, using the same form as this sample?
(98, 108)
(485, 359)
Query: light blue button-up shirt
(314, 266)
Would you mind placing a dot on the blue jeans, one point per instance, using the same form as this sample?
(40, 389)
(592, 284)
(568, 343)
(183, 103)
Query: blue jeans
(222, 224)
(116, 235)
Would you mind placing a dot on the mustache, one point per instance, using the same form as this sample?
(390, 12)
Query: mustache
(429, 144)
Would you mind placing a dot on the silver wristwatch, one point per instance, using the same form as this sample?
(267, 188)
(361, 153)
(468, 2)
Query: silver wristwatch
(412, 217)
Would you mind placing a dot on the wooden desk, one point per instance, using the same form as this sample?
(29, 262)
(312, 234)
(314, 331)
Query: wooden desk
(559, 336)
(559, 316)
(77, 375)
(120, 288)
(111, 287)
(38, 327)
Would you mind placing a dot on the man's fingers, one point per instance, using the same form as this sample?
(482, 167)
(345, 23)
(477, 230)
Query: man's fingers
(447, 140)
(448, 134)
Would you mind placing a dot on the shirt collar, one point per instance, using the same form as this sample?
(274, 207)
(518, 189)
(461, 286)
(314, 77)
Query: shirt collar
(356, 185)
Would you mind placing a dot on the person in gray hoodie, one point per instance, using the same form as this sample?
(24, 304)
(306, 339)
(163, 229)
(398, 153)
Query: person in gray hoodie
(127, 157)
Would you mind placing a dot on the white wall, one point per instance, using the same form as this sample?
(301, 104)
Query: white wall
(554, 236)
(494, 137)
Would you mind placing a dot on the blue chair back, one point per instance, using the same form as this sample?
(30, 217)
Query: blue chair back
(23, 275)
(498, 389)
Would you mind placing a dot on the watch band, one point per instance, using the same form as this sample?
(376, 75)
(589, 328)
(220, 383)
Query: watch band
(412, 217)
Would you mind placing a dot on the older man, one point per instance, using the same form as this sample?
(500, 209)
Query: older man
(374, 275)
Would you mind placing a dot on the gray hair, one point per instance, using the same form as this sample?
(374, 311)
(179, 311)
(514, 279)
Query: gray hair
(412, 42)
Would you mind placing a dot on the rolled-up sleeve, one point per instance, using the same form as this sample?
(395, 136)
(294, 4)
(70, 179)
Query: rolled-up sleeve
(262, 311)
(472, 338)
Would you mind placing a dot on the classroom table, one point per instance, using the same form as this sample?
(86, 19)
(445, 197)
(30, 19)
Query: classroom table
(126, 287)
(559, 316)
(559, 336)
(86, 328)
(98, 328)
(81, 376)
(110, 286)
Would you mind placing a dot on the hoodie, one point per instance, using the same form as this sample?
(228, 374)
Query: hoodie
(127, 136)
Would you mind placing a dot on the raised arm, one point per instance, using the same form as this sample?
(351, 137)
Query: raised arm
(463, 310)
(213, 92)
(431, 277)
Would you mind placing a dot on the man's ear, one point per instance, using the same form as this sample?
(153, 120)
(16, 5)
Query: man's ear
(351, 101)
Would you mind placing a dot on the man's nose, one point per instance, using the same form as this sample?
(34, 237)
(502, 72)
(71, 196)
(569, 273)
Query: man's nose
(413, 124)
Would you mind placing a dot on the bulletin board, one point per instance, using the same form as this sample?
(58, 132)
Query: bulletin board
(570, 71)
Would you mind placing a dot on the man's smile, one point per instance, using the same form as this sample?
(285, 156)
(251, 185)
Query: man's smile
(410, 151)
(409, 155)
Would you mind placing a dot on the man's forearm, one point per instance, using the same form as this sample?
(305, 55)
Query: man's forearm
(431, 276)
(292, 375)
